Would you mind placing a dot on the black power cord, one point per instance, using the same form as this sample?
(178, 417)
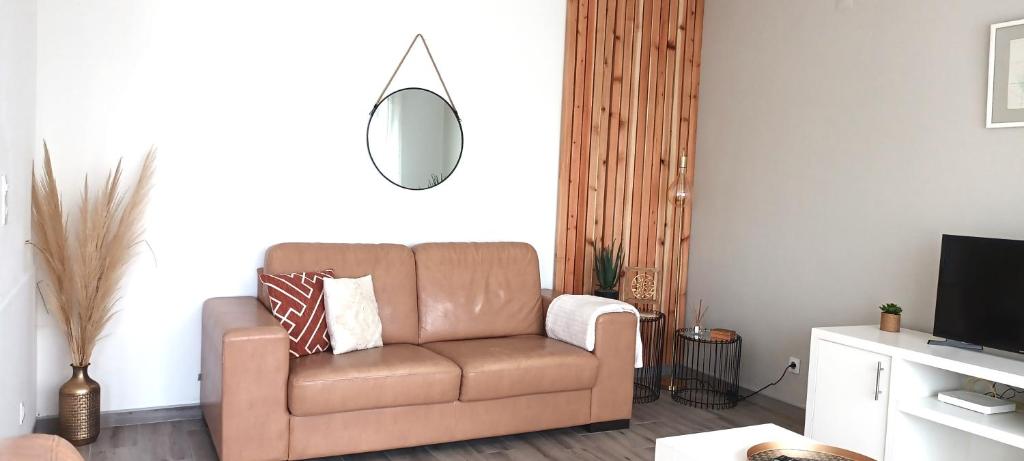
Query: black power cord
(1008, 393)
(766, 386)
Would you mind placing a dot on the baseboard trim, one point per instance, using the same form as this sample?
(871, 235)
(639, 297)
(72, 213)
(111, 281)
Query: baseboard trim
(48, 424)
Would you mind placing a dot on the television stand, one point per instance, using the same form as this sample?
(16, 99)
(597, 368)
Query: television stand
(955, 343)
(876, 393)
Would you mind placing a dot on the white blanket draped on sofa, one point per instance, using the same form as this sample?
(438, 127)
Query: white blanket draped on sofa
(573, 319)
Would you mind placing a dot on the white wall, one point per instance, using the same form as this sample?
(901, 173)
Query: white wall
(259, 110)
(17, 141)
(837, 141)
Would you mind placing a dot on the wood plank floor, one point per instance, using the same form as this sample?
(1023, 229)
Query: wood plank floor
(189, 440)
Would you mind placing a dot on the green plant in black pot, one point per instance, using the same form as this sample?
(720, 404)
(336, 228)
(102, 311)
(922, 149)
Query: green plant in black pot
(607, 266)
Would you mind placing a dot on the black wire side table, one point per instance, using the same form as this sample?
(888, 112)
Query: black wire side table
(705, 372)
(647, 380)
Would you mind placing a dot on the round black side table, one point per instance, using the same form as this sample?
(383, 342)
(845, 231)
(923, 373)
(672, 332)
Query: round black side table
(647, 380)
(705, 372)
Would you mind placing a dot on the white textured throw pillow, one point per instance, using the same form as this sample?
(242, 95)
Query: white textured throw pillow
(352, 317)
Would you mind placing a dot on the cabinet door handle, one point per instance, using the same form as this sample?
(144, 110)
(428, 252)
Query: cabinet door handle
(878, 379)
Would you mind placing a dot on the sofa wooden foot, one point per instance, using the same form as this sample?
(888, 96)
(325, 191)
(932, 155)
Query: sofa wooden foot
(608, 425)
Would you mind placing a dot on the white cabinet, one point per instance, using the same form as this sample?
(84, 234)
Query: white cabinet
(848, 398)
(874, 392)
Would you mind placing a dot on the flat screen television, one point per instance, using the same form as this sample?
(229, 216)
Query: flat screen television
(980, 297)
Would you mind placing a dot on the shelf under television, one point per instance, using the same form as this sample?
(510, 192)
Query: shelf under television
(1006, 428)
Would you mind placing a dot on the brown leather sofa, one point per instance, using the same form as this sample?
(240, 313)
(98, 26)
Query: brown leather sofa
(464, 357)
(38, 447)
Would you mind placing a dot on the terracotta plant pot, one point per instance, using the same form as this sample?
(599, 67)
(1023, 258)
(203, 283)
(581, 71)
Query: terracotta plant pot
(890, 323)
(610, 294)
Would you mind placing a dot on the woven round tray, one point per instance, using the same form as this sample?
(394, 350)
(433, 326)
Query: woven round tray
(801, 451)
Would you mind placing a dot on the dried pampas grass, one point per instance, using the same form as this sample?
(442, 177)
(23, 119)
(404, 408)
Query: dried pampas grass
(86, 265)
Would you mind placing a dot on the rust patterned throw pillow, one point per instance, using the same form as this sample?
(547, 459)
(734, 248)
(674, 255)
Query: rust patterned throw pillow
(297, 301)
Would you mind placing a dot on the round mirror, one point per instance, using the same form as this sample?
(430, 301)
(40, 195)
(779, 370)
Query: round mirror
(414, 138)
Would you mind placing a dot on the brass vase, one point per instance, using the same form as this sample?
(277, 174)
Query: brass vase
(79, 418)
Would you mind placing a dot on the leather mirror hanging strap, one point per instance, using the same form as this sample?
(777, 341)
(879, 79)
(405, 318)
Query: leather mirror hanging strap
(429, 55)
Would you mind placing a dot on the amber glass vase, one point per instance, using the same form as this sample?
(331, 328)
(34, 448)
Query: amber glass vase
(79, 418)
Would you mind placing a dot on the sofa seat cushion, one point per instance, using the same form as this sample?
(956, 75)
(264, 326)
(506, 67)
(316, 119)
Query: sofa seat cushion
(495, 368)
(390, 376)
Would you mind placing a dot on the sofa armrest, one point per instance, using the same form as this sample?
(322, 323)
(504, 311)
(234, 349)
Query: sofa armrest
(615, 346)
(38, 446)
(243, 388)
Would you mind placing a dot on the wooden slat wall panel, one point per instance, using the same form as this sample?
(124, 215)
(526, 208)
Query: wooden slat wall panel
(632, 71)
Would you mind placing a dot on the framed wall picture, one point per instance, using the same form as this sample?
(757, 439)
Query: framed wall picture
(1006, 75)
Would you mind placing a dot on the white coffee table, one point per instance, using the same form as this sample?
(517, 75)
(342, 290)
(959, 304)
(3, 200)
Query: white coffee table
(724, 445)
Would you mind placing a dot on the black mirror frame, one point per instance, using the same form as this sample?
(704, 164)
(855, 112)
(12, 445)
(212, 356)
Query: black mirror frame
(462, 138)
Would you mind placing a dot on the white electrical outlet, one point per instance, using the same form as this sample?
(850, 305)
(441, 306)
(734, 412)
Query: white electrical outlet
(21, 413)
(796, 370)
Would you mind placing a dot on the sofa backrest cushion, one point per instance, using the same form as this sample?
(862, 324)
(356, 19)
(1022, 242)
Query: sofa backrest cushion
(477, 290)
(392, 267)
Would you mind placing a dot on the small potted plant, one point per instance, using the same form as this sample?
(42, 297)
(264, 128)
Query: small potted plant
(890, 317)
(607, 266)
